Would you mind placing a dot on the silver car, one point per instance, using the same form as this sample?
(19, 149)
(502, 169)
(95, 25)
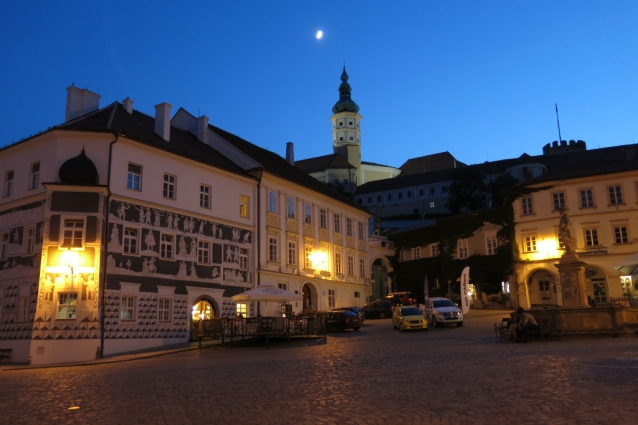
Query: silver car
(443, 310)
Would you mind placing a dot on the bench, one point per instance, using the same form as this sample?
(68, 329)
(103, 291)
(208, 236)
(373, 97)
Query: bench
(542, 331)
(501, 329)
(5, 353)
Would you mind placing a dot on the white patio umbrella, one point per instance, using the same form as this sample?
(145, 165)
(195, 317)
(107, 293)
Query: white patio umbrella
(267, 292)
(627, 266)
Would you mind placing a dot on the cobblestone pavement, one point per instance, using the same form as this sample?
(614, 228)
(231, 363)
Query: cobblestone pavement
(447, 375)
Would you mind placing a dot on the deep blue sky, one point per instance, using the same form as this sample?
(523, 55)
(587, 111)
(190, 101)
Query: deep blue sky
(476, 78)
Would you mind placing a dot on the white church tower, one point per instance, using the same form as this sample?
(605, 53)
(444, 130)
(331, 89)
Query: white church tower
(346, 130)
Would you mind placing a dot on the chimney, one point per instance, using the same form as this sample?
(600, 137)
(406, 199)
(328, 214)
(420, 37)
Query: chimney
(290, 153)
(128, 105)
(163, 121)
(202, 127)
(80, 102)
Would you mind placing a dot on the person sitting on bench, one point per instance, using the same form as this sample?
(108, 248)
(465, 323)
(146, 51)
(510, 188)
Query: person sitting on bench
(525, 323)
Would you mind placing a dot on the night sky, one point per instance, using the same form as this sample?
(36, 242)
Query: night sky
(476, 78)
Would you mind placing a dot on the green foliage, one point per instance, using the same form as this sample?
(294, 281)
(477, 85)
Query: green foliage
(467, 191)
(488, 271)
(496, 189)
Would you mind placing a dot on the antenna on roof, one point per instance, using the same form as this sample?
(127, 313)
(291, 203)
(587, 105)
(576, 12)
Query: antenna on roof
(558, 123)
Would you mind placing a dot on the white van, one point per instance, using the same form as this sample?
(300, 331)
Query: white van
(443, 310)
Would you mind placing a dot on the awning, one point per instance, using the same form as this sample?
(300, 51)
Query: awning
(628, 266)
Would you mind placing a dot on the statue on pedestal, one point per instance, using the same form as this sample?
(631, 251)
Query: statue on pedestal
(565, 232)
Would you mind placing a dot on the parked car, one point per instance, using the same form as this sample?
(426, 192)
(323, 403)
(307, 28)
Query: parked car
(407, 317)
(379, 309)
(443, 310)
(342, 320)
(403, 298)
(360, 313)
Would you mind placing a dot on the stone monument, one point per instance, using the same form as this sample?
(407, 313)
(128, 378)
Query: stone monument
(570, 268)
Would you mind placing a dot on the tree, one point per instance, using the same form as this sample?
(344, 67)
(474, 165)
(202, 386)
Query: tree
(503, 181)
(467, 191)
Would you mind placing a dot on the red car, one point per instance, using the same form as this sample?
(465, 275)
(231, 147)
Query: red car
(404, 298)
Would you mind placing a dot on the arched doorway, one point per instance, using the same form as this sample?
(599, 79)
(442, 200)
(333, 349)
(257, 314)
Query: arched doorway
(541, 285)
(203, 308)
(380, 279)
(596, 285)
(309, 298)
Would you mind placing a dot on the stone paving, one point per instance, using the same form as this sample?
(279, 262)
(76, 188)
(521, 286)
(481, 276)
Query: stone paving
(447, 375)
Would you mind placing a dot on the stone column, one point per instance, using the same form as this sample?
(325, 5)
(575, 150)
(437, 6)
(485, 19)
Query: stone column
(572, 281)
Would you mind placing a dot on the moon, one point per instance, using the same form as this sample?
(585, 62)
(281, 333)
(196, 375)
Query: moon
(319, 34)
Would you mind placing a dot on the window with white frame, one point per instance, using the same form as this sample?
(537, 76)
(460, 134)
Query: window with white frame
(291, 207)
(621, 235)
(331, 298)
(24, 309)
(243, 258)
(292, 252)
(273, 248)
(28, 246)
(282, 286)
(491, 243)
(462, 251)
(586, 198)
(134, 177)
(615, 195)
(435, 250)
(323, 218)
(338, 261)
(337, 219)
(350, 265)
(361, 231)
(558, 199)
(127, 308)
(307, 213)
(4, 245)
(591, 236)
(34, 178)
(362, 267)
(529, 243)
(130, 242)
(272, 201)
(168, 189)
(308, 256)
(242, 309)
(166, 246)
(244, 206)
(204, 196)
(203, 252)
(67, 305)
(416, 253)
(527, 206)
(164, 310)
(349, 228)
(8, 183)
(73, 233)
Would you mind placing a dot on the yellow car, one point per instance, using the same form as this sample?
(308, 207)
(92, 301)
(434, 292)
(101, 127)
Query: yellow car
(406, 317)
